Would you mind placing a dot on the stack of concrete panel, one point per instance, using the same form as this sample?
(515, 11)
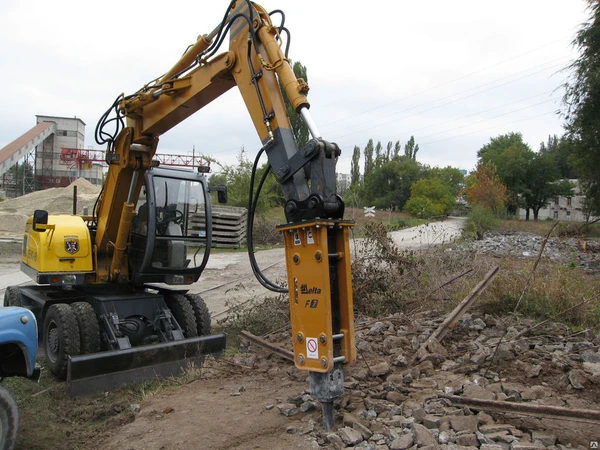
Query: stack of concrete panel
(229, 226)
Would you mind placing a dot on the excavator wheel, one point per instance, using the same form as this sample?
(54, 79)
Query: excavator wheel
(183, 313)
(201, 313)
(61, 338)
(12, 296)
(89, 329)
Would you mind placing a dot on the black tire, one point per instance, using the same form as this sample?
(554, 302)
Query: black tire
(201, 312)
(61, 338)
(12, 296)
(183, 313)
(89, 329)
(9, 419)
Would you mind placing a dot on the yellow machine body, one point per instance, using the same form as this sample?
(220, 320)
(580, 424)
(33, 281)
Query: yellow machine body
(321, 312)
(64, 246)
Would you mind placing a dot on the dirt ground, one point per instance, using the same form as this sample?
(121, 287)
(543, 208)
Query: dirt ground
(233, 402)
(232, 412)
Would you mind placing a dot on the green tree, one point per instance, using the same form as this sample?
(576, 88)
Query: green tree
(561, 150)
(388, 151)
(511, 157)
(355, 167)
(389, 185)
(378, 154)
(299, 127)
(368, 152)
(237, 179)
(450, 176)
(430, 197)
(397, 148)
(542, 183)
(411, 149)
(582, 102)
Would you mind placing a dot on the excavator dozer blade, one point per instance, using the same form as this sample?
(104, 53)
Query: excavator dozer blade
(103, 371)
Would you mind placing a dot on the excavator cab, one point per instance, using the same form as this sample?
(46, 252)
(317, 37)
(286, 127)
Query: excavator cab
(171, 232)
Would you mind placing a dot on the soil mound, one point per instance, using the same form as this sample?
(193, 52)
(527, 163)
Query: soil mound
(15, 211)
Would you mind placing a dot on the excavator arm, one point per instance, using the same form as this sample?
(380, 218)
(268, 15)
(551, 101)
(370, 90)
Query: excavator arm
(316, 237)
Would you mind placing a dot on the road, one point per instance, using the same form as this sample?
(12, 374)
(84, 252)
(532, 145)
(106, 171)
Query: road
(228, 279)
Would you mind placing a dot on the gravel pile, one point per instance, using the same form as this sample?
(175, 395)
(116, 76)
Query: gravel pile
(397, 394)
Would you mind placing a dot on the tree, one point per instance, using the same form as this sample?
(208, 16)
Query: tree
(542, 183)
(561, 149)
(389, 185)
(397, 148)
(582, 102)
(430, 197)
(484, 188)
(510, 157)
(237, 180)
(355, 167)
(299, 127)
(378, 154)
(450, 176)
(368, 157)
(388, 151)
(411, 149)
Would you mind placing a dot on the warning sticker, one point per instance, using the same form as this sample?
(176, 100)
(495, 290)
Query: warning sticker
(309, 238)
(297, 240)
(312, 348)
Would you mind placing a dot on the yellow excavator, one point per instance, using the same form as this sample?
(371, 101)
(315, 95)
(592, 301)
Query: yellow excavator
(111, 293)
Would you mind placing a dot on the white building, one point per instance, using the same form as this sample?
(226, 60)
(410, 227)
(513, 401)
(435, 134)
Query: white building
(563, 208)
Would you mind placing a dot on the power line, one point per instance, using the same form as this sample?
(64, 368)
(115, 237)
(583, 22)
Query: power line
(451, 81)
(486, 129)
(450, 96)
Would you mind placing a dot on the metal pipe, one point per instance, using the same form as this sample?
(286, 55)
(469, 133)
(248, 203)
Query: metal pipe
(134, 180)
(75, 200)
(310, 123)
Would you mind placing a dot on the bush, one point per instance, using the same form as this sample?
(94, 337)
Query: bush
(479, 221)
(422, 207)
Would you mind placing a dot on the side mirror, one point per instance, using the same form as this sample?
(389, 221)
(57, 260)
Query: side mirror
(40, 217)
(222, 195)
(221, 192)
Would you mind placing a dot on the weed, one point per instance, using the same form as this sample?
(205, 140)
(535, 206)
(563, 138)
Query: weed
(259, 317)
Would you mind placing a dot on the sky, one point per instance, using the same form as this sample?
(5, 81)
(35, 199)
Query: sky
(451, 74)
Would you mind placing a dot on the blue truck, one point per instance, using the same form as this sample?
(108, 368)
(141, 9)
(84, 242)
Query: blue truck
(18, 348)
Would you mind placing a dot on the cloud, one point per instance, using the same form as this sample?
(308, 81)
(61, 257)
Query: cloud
(453, 74)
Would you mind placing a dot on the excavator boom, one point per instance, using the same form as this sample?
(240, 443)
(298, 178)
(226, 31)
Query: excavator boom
(126, 256)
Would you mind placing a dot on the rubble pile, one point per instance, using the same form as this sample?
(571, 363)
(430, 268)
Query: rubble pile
(400, 393)
(584, 254)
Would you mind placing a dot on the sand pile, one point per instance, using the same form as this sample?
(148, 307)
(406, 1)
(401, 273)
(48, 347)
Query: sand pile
(15, 211)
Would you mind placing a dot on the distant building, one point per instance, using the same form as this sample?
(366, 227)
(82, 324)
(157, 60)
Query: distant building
(343, 181)
(563, 208)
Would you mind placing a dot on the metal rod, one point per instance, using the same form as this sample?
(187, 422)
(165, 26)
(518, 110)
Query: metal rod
(339, 359)
(336, 337)
(328, 411)
(525, 408)
(259, 341)
(310, 123)
(75, 200)
(134, 179)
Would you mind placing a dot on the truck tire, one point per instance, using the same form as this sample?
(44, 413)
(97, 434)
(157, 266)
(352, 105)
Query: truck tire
(12, 296)
(9, 419)
(89, 329)
(201, 312)
(183, 313)
(61, 338)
